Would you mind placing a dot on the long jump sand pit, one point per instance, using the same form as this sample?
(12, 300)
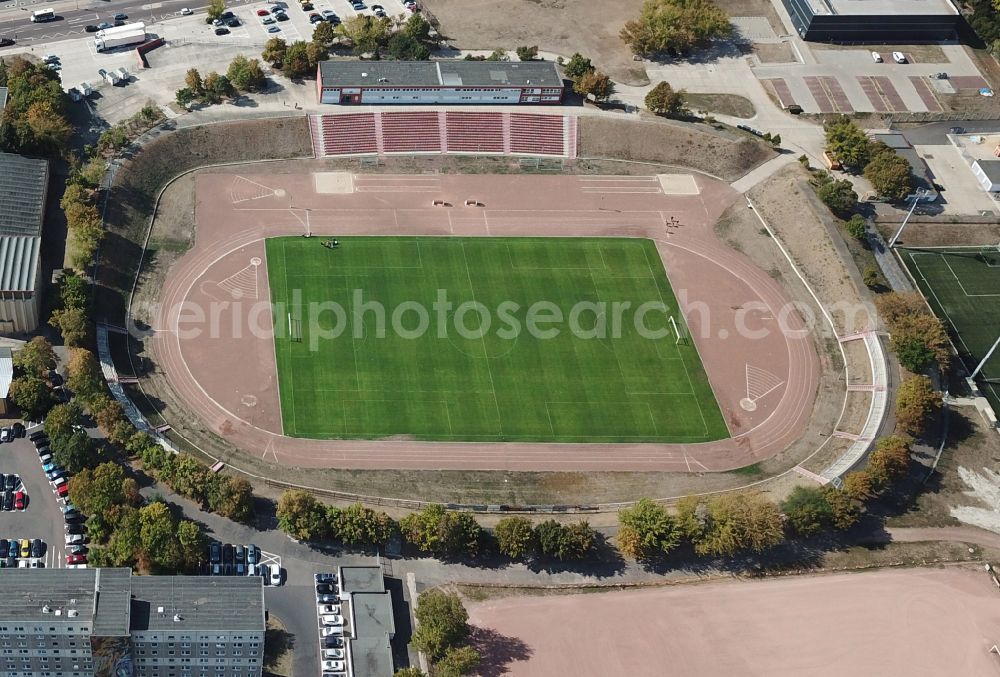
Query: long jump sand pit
(893, 622)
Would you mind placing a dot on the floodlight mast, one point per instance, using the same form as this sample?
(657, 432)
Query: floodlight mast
(916, 198)
(988, 356)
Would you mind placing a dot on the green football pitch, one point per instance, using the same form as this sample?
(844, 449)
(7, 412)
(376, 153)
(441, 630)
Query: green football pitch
(962, 285)
(341, 375)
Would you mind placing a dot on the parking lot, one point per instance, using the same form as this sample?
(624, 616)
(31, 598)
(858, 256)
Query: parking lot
(41, 517)
(331, 616)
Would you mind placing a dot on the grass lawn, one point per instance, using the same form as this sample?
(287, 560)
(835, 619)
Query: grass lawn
(963, 288)
(493, 385)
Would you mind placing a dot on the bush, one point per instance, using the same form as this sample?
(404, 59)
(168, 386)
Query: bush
(442, 623)
(916, 403)
(857, 228)
(664, 100)
(838, 195)
(808, 511)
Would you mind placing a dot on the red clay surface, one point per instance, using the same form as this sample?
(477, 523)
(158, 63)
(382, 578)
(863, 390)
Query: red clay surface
(925, 94)
(840, 100)
(782, 92)
(872, 92)
(889, 92)
(815, 86)
(227, 375)
(912, 622)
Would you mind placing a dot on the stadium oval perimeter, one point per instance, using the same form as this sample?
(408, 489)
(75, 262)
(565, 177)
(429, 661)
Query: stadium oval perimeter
(766, 389)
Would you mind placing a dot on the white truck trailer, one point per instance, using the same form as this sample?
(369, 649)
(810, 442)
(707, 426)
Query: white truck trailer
(120, 36)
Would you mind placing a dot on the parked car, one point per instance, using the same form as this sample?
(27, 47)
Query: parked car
(327, 598)
(216, 569)
(327, 13)
(4, 547)
(358, 5)
(315, 18)
(73, 539)
(62, 490)
(876, 57)
(331, 619)
(6, 435)
(55, 474)
(333, 642)
(275, 574)
(37, 548)
(333, 654)
(6, 42)
(267, 20)
(78, 549)
(12, 482)
(222, 30)
(91, 28)
(262, 12)
(233, 23)
(240, 554)
(8, 500)
(227, 554)
(187, 11)
(10, 563)
(253, 554)
(273, 29)
(76, 559)
(75, 528)
(215, 553)
(103, 26)
(378, 10)
(48, 467)
(120, 16)
(240, 569)
(333, 630)
(225, 16)
(12, 548)
(18, 429)
(899, 57)
(325, 577)
(19, 500)
(336, 666)
(307, 7)
(956, 130)
(37, 435)
(68, 507)
(326, 589)
(280, 16)
(329, 609)
(25, 547)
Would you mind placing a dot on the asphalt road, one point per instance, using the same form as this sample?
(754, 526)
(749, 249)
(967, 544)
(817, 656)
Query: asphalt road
(935, 133)
(73, 17)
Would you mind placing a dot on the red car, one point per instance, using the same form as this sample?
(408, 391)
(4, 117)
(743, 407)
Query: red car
(262, 12)
(19, 500)
(76, 559)
(62, 490)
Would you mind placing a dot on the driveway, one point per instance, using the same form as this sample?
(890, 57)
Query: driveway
(936, 133)
(42, 518)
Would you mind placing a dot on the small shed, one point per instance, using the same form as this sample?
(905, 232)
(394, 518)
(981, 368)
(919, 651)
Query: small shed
(988, 174)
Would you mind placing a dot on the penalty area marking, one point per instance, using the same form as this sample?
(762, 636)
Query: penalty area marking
(678, 184)
(333, 183)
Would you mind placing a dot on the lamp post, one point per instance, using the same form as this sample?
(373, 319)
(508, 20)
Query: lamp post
(916, 198)
(988, 355)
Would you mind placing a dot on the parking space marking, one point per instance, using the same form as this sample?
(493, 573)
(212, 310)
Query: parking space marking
(925, 94)
(889, 92)
(836, 93)
(781, 90)
(873, 94)
(819, 94)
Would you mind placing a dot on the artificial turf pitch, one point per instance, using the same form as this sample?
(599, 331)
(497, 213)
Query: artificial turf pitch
(962, 285)
(494, 387)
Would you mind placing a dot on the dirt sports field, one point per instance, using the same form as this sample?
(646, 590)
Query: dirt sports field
(213, 329)
(913, 622)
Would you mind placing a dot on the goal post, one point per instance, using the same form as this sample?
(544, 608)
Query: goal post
(294, 329)
(679, 333)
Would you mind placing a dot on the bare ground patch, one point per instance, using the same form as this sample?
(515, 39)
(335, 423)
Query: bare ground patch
(725, 104)
(764, 8)
(558, 26)
(928, 53)
(774, 52)
(728, 156)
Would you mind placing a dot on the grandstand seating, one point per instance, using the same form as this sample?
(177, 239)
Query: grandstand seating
(443, 132)
(411, 132)
(475, 132)
(537, 134)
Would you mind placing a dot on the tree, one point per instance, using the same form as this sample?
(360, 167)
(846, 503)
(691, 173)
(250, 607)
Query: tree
(63, 419)
(858, 485)
(847, 143)
(577, 66)
(738, 522)
(498, 55)
(367, 34)
(594, 84)
(296, 62)
(74, 453)
(916, 403)
(216, 8)
(410, 672)
(358, 525)
(193, 81)
(51, 131)
(889, 461)
(31, 395)
(442, 622)
(231, 497)
(663, 100)
(107, 412)
(246, 75)
(405, 48)
(300, 515)
(74, 291)
(919, 341)
(675, 27)
(457, 661)
(844, 510)
(36, 357)
(73, 323)
(890, 175)
(84, 375)
(418, 28)
(870, 277)
(218, 87)
(564, 542)
(193, 544)
(807, 510)
(324, 33)
(94, 491)
(274, 51)
(838, 195)
(315, 53)
(443, 533)
(646, 530)
(526, 53)
(157, 534)
(515, 536)
(856, 227)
